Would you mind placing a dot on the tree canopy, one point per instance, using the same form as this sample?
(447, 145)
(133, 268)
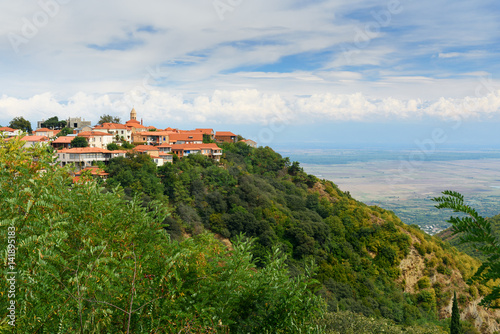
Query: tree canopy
(108, 119)
(64, 132)
(136, 173)
(89, 261)
(79, 142)
(21, 124)
(54, 123)
(112, 147)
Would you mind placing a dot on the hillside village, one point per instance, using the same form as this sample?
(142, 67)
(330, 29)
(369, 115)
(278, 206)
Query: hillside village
(110, 140)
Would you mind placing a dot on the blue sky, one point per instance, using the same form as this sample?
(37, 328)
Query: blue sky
(259, 67)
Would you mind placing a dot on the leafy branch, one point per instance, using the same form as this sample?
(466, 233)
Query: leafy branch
(475, 229)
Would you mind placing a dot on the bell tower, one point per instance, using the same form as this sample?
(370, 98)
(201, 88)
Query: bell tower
(133, 114)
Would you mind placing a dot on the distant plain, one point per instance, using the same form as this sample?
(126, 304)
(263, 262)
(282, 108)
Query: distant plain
(404, 181)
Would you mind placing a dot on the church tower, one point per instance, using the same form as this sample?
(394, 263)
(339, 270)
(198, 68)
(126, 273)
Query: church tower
(133, 114)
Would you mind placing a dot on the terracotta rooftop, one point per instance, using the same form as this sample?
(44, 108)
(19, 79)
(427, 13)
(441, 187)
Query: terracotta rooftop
(212, 146)
(43, 130)
(63, 140)
(93, 134)
(6, 128)
(146, 148)
(198, 136)
(35, 138)
(135, 124)
(111, 126)
(81, 150)
(224, 133)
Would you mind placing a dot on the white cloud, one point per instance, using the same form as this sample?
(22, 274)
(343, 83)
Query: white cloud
(206, 64)
(250, 106)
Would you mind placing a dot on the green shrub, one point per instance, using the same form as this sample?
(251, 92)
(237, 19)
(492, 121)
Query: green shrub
(424, 283)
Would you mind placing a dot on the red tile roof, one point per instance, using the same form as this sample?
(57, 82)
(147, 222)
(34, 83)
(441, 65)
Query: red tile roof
(93, 134)
(63, 140)
(186, 136)
(212, 146)
(111, 126)
(43, 130)
(35, 138)
(142, 148)
(134, 124)
(81, 150)
(206, 131)
(224, 133)
(6, 128)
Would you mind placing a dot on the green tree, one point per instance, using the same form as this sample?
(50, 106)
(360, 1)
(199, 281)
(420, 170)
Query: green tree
(112, 147)
(475, 229)
(137, 173)
(79, 142)
(54, 123)
(21, 123)
(64, 132)
(455, 327)
(89, 261)
(108, 119)
(207, 139)
(127, 145)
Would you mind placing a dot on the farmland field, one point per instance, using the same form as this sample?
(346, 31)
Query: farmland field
(405, 181)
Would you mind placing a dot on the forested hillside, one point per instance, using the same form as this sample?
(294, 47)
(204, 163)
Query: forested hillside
(361, 253)
(138, 255)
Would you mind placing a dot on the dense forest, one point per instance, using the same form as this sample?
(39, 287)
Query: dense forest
(251, 244)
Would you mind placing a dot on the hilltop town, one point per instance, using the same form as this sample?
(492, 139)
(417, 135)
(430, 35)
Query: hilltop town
(108, 140)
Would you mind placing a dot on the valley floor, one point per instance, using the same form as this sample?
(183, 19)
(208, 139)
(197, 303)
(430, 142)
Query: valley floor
(406, 186)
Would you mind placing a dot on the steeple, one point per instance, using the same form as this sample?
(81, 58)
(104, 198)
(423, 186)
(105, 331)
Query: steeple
(133, 114)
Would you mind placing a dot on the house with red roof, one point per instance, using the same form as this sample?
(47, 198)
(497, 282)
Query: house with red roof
(121, 131)
(46, 132)
(83, 157)
(62, 142)
(186, 138)
(151, 137)
(31, 141)
(10, 132)
(147, 149)
(165, 148)
(209, 132)
(97, 138)
(210, 150)
(159, 157)
(225, 137)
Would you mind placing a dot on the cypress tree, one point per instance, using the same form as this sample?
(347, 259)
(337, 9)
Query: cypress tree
(455, 327)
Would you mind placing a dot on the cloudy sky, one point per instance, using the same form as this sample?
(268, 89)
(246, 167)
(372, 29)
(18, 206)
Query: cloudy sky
(359, 71)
